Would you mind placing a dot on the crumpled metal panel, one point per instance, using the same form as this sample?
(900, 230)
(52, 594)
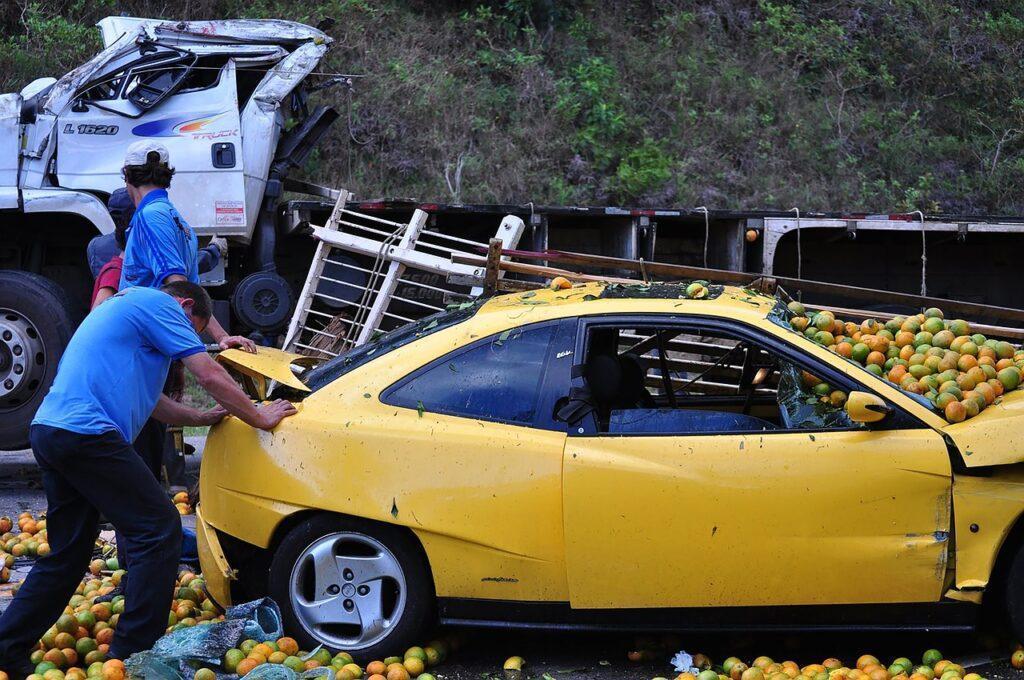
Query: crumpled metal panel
(273, 31)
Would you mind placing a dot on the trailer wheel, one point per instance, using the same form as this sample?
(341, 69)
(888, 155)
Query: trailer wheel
(36, 324)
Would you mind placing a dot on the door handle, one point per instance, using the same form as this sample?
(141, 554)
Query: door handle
(223, 154)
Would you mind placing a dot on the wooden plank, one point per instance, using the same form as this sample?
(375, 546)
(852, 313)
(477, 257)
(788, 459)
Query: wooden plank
(958, 307)
(985, 329)
(493, 266)
(536, 270)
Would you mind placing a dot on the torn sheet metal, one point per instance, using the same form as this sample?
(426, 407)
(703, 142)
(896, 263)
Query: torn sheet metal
(267, 364)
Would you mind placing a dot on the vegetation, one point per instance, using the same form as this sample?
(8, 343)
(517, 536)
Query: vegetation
(874, 105)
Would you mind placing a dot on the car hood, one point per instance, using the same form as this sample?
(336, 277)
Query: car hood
(267, 364)
(993, 437)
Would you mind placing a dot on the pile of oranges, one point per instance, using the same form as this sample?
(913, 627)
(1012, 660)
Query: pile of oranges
(76, 646)
(932, 667)
(28, 541)
(960, 373)
(251, 654)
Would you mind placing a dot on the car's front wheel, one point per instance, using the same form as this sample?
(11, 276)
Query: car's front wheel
(352, 585)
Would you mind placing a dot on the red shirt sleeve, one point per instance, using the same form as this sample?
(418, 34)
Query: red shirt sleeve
(109, 276)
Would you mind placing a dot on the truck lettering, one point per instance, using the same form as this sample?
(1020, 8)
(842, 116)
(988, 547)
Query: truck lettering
(90, 129)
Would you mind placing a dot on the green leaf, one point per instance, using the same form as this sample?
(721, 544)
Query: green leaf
(419, 408)
(528, 294)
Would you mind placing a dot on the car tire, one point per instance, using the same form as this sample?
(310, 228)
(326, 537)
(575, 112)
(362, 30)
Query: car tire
(329, 570)
(36, 324)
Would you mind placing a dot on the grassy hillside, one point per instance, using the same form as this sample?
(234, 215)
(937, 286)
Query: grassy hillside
(874, 105)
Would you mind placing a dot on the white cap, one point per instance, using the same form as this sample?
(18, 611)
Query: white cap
(138, 152)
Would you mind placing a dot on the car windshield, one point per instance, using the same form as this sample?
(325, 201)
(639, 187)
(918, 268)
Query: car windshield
(343, 363)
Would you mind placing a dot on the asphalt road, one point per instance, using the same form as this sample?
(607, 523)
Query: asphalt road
(568, 656)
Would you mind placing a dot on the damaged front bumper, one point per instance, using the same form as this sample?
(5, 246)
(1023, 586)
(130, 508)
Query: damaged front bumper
(215, 568)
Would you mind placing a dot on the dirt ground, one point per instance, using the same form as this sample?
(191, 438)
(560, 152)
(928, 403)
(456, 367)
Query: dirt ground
(571, 656)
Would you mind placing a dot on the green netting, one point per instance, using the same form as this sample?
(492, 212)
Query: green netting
(178, 655)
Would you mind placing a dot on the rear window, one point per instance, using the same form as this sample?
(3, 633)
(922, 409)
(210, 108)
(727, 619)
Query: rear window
(327, 373)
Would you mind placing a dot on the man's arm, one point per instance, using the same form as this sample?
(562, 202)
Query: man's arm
(217, 332)
(101, 295)
(221, 387)
(175, 413)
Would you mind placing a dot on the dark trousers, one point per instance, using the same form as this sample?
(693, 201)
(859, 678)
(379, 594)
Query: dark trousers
(150, 447)
(85, 475)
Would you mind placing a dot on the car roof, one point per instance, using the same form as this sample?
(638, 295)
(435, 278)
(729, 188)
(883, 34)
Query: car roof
(611, 298)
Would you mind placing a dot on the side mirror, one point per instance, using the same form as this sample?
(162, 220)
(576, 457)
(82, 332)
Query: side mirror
(864, 407)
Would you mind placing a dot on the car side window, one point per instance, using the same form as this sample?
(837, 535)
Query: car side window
(497, 378)
(679, 380)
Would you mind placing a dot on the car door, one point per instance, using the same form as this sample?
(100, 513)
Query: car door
(194, 114)
(816, 510)
(484, 420)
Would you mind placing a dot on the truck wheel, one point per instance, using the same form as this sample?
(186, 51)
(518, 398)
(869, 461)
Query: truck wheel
(352, 585)
(36, 324)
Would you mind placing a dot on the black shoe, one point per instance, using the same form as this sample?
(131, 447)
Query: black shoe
(109, 597)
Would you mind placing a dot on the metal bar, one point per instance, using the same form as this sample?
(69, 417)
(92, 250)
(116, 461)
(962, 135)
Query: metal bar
(332, 317)
(475, 244)
(344, 283)
(378, 232)
(339, 300)
(315, 349)
(345, 265)
(387, 287)
(417, 303)
(395, 316)
(371, 218)
(309, 286)
(434, 288)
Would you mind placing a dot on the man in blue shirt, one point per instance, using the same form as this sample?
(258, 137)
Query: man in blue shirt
(162, 247)
(108, 383)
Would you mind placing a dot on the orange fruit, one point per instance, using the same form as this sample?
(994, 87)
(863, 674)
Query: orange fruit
(245, 666)
(397, 672)
(955, 413)
(376, 668)
(376, 676)
(288, 645)
(113, 669)
(876, 358)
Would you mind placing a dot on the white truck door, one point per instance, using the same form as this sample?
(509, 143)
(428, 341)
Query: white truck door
(198, 122)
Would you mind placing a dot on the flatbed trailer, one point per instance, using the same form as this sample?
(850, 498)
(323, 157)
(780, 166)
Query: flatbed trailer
(963, 257)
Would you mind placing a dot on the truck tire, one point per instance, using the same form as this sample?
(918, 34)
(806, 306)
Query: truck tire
(36, 323)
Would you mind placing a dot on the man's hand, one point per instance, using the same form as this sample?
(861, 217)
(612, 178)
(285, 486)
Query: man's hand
(213, 416)
(242, 343)
(273, 413)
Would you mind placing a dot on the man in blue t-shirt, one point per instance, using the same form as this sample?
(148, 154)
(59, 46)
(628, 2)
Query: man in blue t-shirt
(108, 383)
(162, 247)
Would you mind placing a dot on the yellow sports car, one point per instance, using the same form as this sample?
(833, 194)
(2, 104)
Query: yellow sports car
(609, 457)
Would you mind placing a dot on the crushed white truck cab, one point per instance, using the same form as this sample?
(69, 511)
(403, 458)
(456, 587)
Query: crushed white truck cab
(227, 98)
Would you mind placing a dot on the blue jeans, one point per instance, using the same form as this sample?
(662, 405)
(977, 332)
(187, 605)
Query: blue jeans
(85, 475)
